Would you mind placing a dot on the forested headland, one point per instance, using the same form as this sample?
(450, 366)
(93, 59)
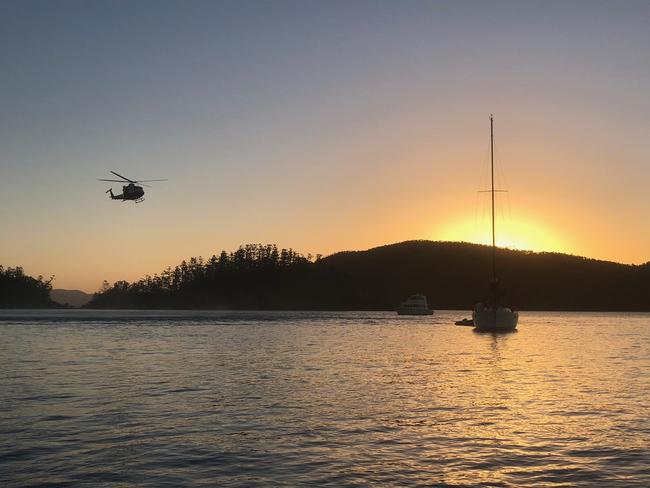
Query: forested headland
(452, 275)
(18, 290)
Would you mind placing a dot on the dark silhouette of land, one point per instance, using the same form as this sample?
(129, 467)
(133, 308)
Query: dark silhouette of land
(70, 298)
(452, 275)
(17, 290)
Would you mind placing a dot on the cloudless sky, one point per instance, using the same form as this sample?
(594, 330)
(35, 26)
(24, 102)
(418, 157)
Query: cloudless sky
(321, 126)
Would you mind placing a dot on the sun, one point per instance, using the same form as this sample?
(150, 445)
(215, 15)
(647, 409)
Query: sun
(523, 234)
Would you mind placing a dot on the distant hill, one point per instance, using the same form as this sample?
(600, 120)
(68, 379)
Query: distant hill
(455, 275)
(75, 298)
(451, 274)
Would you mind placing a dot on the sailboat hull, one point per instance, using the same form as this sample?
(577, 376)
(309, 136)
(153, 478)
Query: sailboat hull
(486, 320)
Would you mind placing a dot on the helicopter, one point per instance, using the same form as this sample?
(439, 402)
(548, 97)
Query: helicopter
(132, 191)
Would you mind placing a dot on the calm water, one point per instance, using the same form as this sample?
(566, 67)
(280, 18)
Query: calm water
(340, 399)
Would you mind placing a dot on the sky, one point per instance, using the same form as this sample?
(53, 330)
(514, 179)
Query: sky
(322, 126)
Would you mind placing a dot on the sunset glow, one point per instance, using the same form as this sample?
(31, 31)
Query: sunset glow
(522, 234)
(318, 130)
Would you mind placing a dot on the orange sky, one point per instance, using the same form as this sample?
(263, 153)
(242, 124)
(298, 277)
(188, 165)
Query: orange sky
(323, 129)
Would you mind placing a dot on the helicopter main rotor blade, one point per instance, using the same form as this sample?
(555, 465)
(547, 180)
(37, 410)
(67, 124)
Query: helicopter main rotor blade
(140, 181)
(116, 181)
(124, 178)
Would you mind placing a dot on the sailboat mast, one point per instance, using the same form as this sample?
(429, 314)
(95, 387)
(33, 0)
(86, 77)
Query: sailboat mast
(494, 272)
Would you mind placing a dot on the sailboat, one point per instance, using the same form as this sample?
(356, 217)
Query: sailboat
(494, 317)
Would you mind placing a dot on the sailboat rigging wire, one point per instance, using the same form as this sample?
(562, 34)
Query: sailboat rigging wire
(481, 205)
(501, 181)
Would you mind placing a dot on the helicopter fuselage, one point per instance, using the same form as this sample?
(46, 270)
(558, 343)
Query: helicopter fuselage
(129, 192)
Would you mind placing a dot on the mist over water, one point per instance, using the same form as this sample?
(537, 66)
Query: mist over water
(101, 398)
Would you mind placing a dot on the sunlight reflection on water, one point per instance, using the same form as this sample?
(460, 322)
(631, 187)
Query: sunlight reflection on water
(300, 398)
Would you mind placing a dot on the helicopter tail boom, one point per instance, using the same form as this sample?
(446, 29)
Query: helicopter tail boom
(113, 197)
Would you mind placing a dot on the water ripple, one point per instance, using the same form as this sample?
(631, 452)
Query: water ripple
(99, 398)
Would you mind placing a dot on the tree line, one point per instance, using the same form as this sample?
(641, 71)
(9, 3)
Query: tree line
(451, 274)
(18, 290)
(253, 276)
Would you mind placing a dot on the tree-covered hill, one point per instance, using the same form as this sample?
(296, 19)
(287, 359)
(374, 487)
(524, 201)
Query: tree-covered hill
(450, 274)
(17, 290)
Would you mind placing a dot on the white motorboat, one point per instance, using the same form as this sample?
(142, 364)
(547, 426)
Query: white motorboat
(414, 305)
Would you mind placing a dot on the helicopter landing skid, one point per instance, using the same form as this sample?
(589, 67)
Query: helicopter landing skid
(138, 200)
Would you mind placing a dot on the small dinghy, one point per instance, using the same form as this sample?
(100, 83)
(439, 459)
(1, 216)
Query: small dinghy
(469, 322)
